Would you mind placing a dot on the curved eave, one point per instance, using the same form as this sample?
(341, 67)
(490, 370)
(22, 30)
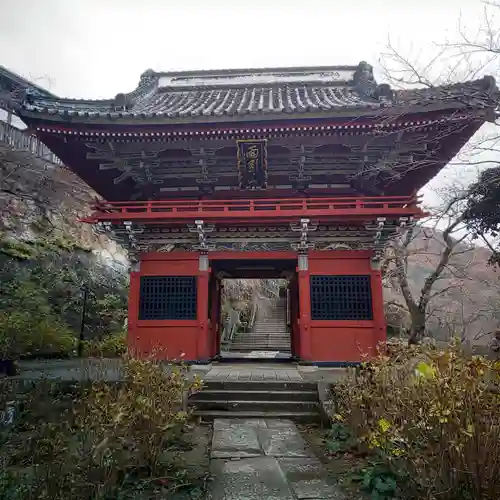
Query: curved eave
(118, 120)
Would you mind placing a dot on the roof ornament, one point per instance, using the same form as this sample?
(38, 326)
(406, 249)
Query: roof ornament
(122, 102)
(363, 78)
(384, 94)
(489, 84)
(148, 73)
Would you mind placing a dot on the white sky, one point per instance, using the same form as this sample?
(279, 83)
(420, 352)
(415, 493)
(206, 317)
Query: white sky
(97, 48)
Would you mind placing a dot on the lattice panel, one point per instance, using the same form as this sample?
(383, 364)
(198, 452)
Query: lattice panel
(341, 298)
(168, 297)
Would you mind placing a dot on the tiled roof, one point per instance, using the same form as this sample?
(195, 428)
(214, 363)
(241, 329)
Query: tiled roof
(253, 93)
(10, 81)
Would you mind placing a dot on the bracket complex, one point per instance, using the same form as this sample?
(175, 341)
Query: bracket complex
(304, 227)
(201, 229)
(378, 240)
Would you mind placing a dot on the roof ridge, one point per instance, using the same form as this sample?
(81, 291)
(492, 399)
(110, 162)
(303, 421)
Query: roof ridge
(249, 71)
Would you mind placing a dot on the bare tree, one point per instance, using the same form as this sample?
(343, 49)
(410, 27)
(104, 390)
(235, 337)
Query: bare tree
(453, 241)
(472, 213)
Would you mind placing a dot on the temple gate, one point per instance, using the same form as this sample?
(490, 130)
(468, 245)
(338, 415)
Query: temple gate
(299, 173)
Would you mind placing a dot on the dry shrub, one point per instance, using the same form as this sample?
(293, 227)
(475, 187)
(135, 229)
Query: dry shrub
(100, 440)
(432, 416)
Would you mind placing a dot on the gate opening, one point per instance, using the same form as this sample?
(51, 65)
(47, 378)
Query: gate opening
(254, 311)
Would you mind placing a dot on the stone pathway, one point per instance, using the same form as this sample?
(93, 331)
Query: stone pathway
(265, 459)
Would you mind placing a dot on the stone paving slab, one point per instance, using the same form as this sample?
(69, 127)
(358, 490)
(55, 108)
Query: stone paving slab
(265, 459)
(282, 442)
(304, 478)
(256, 478)
(239, 373)
(232, 440)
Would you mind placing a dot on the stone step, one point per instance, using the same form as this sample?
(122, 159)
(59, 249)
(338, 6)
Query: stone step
(246, 348)
(259, 385)
(271, 331)
(269, 324)
(270, 335)
(269, 340)
(282, 354)
(262, 335)
(261, 342)
(265, 341)
(259, 346)
(270, 321)
(264, 406)
(296, 416)
(254, 395)
(279, 335)
(240, 348)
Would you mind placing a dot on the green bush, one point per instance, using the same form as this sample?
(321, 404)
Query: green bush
(41, 290)
(22, 333)
(112, 346)
(428, 417)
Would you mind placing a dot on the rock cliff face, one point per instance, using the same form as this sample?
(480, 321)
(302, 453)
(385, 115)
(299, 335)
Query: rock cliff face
(48, 257)
(39, 200)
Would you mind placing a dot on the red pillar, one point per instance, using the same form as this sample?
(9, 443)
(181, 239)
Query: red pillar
(379, 323)
(294, 315)
(133, 311)
(305, 311)
(214, 292)
(203, 341)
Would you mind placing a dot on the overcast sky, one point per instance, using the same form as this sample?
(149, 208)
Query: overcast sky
(97, 48)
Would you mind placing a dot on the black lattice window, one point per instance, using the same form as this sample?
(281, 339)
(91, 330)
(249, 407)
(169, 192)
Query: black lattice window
(167, 297)
(341, 298)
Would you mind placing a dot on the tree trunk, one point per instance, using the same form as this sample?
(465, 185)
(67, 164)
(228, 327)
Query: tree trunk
(417, 329)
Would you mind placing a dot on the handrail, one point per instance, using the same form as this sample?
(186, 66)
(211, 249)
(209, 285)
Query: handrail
(21, 140)
(272, 292)
(257, 202)
(255, 208)
(253, 314)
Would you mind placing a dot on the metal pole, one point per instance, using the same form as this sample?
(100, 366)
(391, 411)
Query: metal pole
(85, 291)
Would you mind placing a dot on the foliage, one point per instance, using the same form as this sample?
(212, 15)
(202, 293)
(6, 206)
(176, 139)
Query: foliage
(101, 440)
(112, 346)
(378, 479)
(17, 250)
(41, 289)
(482, 214)
(339, 438)
(23, 333)
(430, 418)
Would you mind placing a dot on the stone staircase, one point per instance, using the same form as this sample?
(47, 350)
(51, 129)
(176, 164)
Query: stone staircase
(297, 401)
(270, 332)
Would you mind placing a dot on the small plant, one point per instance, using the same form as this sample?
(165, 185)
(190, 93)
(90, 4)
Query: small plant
(378, 480)
(339, 439)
